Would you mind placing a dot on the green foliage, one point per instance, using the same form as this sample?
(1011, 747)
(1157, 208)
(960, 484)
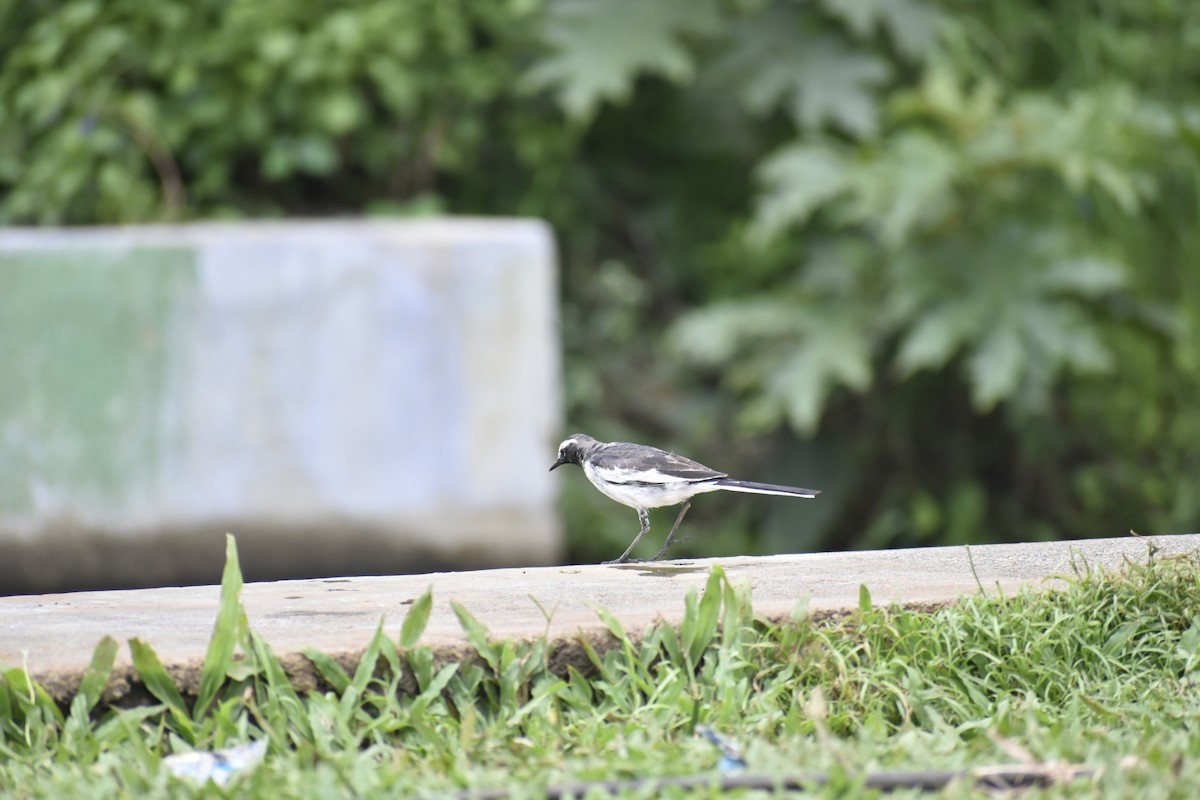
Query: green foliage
(965, 263)
(584, 66)
(942, 250)
(117, 112)
(787, 57)
(1104, 672)
(958, 275)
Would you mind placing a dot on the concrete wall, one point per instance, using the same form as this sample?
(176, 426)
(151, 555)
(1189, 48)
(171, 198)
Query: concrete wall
(346, 397)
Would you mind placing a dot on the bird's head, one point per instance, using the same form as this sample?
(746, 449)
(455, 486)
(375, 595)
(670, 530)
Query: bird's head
(573, 449)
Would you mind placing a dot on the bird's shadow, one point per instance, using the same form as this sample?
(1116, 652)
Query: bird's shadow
(655, 569)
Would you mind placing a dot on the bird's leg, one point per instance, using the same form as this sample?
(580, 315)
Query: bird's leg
(671, 536)
(644, 517)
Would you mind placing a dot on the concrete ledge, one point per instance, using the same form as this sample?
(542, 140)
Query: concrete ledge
(55, 634)
(322, 389)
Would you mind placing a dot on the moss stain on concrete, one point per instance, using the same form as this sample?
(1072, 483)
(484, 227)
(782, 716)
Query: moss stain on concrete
(85, 340)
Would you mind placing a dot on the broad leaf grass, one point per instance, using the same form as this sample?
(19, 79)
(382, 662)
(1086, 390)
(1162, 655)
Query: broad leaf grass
(1103, 673)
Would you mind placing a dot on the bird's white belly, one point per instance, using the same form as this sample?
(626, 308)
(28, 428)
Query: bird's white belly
(656, 495)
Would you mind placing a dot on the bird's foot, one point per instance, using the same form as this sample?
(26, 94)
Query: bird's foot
(667, 544)
(662, 552)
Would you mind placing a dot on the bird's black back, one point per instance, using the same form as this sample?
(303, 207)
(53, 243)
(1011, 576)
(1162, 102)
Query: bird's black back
(634, 458)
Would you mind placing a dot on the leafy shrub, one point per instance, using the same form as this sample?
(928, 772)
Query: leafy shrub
(119, 111)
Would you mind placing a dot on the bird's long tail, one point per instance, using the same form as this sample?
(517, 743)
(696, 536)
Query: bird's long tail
(729, 484)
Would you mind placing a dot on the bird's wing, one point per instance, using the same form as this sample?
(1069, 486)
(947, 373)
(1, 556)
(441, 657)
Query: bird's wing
(623, 462)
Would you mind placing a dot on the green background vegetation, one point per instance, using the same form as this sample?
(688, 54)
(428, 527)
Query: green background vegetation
(938, 259)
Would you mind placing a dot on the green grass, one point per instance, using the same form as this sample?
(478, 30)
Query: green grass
(1103, 673)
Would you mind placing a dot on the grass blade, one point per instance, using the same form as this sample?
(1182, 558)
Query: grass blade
(612, 623)
(370, 659)
(708, 612)
(6, 701)
(156, 680)
(477, 635)
(670, 644)
(228, 630)
(434, 690)
(736, 613)
(27, 696)
(362, 676)
(416, 619)
(330, 671)
(277, 699)
(91, 688)
(266, 660)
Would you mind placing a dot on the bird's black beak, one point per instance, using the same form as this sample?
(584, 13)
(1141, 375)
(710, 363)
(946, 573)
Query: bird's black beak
(561, 460)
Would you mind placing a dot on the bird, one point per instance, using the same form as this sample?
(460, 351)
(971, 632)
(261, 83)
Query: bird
(644, 477)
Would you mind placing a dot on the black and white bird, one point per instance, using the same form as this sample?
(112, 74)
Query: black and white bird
(644, 477)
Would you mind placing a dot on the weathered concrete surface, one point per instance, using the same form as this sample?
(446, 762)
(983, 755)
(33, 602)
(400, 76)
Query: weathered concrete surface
(328, 391)
(55, 634)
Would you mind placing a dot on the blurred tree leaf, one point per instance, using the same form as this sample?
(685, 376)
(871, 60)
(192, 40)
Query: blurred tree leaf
(1016, 313)
(797, 352)
(908, 186)
(836, 352)
(1094, 139)
(601, 46)
(797, 180)
(909, 181)
(1086, 276)
(835, 83)
(781, 59)
(996, 366)
(911, 23)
